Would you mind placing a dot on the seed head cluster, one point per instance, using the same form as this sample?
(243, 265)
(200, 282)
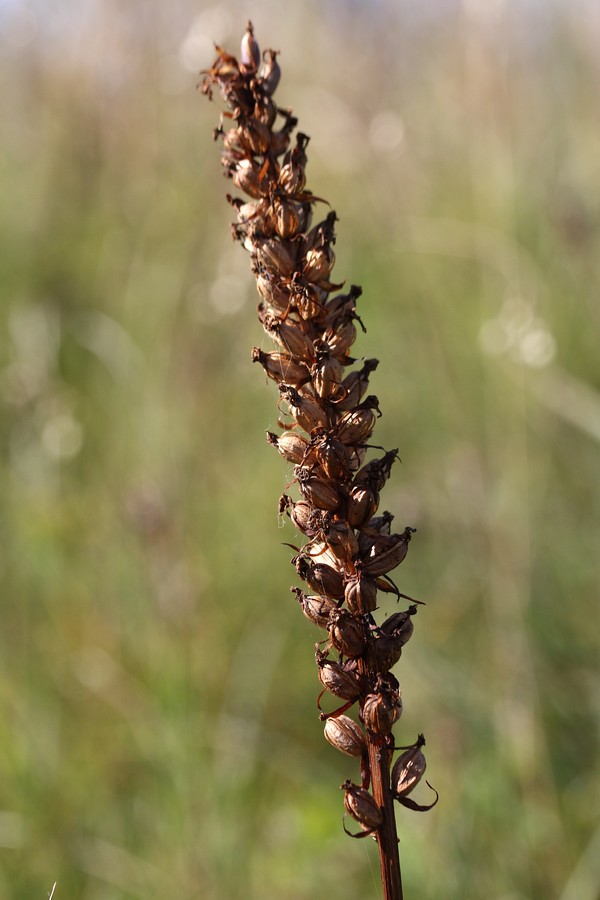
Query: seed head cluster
(327, 419)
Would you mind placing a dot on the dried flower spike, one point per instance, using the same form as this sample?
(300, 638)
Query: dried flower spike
(327, 417)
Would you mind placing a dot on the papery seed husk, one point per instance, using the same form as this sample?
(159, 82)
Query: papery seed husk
(321, 578)
(376, 472)
(356, 426)
(315, 490)
(277, 255)
(290, 336)
(399, 625)
(383, 653)
(270, 73)
(318, 264)
(274, 296)
(255, 135)
(250, 51)
(281, 367)
(345, 735)
(327, 376)
(332, 456)
(286, 218)
(381, 711)
(347, 633)
(246, 177)
(292, 446)
(408, 769)
(361, 805)
(300, 513)
(342, 542)
(355, 385)
(389, 553)
(361, 506)
(307, 413)
(316, 609)
(341, 339)
(360, 593)
(265, 111)
(336, 679)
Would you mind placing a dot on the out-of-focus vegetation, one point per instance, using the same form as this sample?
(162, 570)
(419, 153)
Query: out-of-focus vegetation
(159, 730)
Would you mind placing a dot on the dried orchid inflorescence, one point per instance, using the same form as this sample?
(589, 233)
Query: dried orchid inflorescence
(327, 419)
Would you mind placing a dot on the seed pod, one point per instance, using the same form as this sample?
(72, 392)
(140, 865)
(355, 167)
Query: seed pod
(356, 425)
(265, 110)
(360, 593)
(399, 625)
(347, 633)
(307, 413)
(316, 609)
(355, 386)
(318, 263)
(321, 578)
(280, 141)
(281, 367)
(308, 299)
(292, 177)
(331, 455)
(300, 513)
(292, 446)
(361, 805)
(376, 472)
(315, 490)
(337, 679)
(245, 176)
(381, 710)
(345, 735)
(270, 73)
(286, 218)
(255, 136)
(274, 295)
(342, 542)
(288, 335)
(408, 769)
(383, 653)
(341, 338)
(361, 506)
(327, 372)
(250, 52)
(388, 553)
(277, 256)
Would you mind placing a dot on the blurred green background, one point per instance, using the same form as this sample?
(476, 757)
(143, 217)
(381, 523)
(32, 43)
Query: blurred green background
(159, 730)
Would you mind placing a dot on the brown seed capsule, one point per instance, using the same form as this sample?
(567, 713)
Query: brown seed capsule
(254, 136)
(360, 593)
(270, 72)
(292, 446)
(345, 735)
(376, 472)
(281, 367)
(388, 552)
(355, 385)
(347, 633)
(331, 455)
(277, 256)
(381, 710)
(362, 506)
(337, 679)
(408, 769)
(341, 338)
(318, 263)
(288, 335)
(383, 653)
(250, 52)
(307, 413)
(315, 490)
(399, 625)
(341, 540)
(316, 609)
(276, 297)
(292, 177)
(245, 176)
(321, 578)
(300, 513)
(286, 218)
(355, 426)
(327, 372)
(265, 110)
(361, 805)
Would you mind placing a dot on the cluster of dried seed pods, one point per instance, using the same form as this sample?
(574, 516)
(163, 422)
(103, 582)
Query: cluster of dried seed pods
(327, 418)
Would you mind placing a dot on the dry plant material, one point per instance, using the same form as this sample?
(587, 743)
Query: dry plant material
(327, 419)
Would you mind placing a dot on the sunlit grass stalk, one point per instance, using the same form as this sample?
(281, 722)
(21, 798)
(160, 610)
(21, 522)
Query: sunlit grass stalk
(327, 422)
